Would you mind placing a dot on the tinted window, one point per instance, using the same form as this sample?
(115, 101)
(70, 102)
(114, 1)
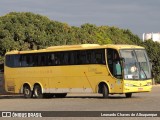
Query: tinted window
(57, 58)
(13, 60)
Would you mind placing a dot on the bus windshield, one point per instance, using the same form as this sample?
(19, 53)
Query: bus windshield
(136, 64)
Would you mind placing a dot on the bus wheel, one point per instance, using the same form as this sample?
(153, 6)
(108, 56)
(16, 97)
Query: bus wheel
(37, 91)
(128, 95)
(27, 91)
(60, 95)
(105, 91)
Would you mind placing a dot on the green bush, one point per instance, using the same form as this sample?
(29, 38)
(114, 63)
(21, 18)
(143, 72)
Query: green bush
(27, 31)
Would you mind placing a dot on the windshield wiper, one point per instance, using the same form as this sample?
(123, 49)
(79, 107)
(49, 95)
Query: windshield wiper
(142, 70)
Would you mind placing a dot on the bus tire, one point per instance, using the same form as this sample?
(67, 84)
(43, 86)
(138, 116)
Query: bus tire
(105, 91)
(37, 91)
(27, 91)
(128, 95)
(60, 95)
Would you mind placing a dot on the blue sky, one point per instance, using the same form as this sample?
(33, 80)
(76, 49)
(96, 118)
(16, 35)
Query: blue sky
(137, 15)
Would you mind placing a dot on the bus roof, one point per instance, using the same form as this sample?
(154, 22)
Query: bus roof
(78, 47)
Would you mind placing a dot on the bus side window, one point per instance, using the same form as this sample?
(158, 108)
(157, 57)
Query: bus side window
(49, 59)
(39, 60)
(29, 60)
(89, 57)
(9, 60)
(42, 60)
(99, 57)
(72, 58)
(16, 60)
(56, 59)
(65, 58)
(23, 60)
(35, 60)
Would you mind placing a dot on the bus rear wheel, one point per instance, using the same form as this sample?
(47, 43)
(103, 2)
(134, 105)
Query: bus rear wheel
(60, 95)
(27, 91)
(37, 91)
(105, 91)
(128, 95)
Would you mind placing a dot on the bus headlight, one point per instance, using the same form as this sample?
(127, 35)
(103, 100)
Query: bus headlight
(129, 85)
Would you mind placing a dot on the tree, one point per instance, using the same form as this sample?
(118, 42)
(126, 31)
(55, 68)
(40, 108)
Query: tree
(28, 31)
(154, 53)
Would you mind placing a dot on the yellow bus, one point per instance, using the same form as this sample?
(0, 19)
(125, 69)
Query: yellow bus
(87, 68)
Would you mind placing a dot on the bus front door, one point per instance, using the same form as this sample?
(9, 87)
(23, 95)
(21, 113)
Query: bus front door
(114, 65)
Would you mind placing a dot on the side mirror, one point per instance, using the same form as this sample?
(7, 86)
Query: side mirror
(150, 63)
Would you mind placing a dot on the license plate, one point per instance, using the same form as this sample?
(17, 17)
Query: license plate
(140, 89)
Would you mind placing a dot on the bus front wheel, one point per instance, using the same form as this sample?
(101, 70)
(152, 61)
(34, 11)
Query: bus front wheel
(37, 91)
(27, 91)
(105, 91)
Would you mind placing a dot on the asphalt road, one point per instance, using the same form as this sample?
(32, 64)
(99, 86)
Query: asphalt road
(149, 101)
